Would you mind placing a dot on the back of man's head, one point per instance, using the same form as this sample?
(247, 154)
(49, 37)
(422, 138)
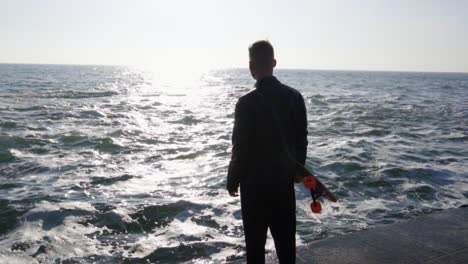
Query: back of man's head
(261, 54)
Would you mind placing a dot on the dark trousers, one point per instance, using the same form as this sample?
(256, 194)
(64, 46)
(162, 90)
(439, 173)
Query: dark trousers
(274, 207)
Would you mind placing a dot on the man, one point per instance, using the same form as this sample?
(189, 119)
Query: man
(270, 135)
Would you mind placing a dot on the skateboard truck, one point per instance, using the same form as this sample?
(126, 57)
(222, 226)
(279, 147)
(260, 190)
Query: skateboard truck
(311, 183)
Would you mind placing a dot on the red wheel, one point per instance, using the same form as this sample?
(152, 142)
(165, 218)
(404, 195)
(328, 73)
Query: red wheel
(316, 207)
(310, 182)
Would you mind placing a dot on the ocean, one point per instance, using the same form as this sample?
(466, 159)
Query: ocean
(112, 164)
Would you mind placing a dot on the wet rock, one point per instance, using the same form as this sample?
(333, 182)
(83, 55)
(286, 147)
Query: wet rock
(20, 246)
(41, 250)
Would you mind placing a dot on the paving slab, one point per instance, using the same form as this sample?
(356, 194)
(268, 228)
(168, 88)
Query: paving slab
(438, 237)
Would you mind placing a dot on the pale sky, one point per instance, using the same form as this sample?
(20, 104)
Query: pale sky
(397, 35)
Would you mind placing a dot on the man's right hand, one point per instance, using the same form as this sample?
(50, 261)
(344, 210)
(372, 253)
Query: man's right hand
(234, 192)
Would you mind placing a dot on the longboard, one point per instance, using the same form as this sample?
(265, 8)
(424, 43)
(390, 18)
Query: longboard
(316, 187)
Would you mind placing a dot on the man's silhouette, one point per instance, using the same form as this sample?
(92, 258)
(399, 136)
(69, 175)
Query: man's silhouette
(270, 125)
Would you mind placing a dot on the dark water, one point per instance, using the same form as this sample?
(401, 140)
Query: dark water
(112, 164)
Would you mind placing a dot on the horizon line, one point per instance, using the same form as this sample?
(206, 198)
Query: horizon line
(239, 68)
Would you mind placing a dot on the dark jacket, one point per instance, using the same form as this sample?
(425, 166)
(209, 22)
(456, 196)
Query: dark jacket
(261, 116)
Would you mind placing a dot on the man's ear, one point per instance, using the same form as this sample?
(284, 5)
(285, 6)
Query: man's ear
(274, 63)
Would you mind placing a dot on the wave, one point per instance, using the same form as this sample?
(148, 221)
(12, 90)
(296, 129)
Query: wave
(102, 144)
(107, 145)
(184, 252)
(9, 216)
(22, 169)
(8, 124)
(20, 142)
(110, 180)
(6, 156)
(70, 94)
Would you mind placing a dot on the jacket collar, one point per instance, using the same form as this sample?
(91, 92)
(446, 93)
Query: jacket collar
(269, 80)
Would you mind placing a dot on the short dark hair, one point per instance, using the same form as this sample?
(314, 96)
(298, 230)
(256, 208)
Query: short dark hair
(261, 53)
